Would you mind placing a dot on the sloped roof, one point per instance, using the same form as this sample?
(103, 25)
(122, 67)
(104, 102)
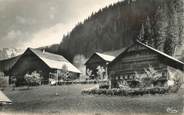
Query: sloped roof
(55, 61)
(156, 51)
(4, 99)
(161, 53)
(106, 57)
(115, 53)
(181, 59)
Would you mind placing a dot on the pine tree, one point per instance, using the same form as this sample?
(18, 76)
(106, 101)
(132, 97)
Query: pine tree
(179, 7)
(159, 25)
(148, 32)
(168, 46)
(172, 30)
(141, 34)
(145, 35)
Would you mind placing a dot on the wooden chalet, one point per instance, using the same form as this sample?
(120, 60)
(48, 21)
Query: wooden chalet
(102, 60)
(135, 59)
(42, 62)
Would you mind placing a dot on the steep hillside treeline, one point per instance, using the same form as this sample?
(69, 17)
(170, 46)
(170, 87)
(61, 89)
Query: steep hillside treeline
(164, 29)
(118, 25)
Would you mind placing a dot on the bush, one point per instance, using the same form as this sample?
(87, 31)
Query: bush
(104, 86)
(110, 92)
(33, 79)
(127, 92)
(116, 92)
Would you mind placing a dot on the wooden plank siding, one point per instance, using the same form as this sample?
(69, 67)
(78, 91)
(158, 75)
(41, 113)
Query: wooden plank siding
(93, 63)
(28, 63)
(7, 64)
(135, 59)
(43, 63)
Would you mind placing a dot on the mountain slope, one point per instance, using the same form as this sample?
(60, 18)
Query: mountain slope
(111, 28)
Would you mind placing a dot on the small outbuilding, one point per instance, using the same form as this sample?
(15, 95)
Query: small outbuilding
(99, 62)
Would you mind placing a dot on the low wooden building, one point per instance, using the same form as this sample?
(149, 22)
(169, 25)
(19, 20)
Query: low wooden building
(135, 59)
(7, 64)
(100, 61)
(42, 62)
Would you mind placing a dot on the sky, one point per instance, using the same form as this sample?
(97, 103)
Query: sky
(36, 23)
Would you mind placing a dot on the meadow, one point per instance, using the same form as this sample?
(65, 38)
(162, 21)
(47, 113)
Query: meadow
(43, 100)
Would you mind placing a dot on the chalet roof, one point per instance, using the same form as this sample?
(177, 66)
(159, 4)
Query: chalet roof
(109, 55)
(55, 61)
(115, 53)
(168, 57)
(181, 59)
(161, 53)
(4, 99)
(106, 57)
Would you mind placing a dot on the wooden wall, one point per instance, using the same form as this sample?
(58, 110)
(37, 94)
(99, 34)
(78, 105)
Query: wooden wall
(28, 63)
(7, 64)
(135, 59)
(93, 63)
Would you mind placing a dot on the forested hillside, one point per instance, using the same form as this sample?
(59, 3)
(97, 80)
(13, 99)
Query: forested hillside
(158, 23)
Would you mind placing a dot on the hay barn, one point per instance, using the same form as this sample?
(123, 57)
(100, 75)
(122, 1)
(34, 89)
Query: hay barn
(40, 61)
(135, 59)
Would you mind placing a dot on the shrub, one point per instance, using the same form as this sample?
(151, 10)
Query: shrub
(100, 72)
(104, 86)
(33, 79)
(116, 92)
(177, 77)
(149, 77)
(126, 92)
(100, 92)
(109, 92)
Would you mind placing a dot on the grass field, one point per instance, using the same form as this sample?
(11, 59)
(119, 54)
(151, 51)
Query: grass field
(43, 100)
